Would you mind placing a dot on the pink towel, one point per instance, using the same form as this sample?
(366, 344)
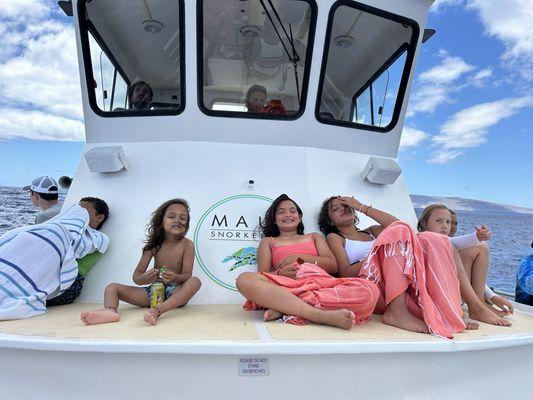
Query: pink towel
(421, 265)
(319, 289)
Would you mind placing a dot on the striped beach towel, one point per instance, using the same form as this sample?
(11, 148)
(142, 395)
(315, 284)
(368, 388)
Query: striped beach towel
(38, 262)
(422, 266)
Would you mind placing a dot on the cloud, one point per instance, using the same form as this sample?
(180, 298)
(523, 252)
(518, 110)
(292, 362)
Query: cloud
(444, 157)
(510, 21)
(435, 86)
(39, 78)
(36, 125)
(23, 9)
(412, 137)
(440, 4)
(469, 127)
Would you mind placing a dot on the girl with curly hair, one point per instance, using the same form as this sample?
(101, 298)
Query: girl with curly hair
(167, 245)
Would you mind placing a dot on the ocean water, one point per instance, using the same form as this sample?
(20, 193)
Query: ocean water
(512, 234)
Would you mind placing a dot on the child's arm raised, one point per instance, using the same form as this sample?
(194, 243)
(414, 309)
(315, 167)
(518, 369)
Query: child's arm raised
(187, 263)
(141, 276)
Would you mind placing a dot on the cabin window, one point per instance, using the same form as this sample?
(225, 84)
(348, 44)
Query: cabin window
(255, 55)
(367, 59)
(133, 54)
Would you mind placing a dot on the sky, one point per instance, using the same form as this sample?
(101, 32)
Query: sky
(467, 132)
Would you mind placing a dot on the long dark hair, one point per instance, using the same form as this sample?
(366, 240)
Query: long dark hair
(155, 234)
(268, 225)
(324, 221)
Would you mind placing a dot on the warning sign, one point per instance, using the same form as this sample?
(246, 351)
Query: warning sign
(253, 366)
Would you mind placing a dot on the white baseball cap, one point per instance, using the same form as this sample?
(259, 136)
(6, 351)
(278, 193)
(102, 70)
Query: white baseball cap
(43, 184)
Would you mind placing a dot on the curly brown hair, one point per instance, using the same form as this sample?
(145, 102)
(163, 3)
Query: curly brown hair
(268, 225)
(324, 221)
(155, 234)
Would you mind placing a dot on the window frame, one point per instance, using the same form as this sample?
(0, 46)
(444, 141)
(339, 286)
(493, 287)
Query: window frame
(410, 48)
(249, 115)
(87, 26)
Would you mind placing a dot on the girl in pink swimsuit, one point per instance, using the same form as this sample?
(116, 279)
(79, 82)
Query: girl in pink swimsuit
(294, 275)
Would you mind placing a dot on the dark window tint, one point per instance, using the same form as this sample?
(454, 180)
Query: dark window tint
(254, 56)
(133, 53)
(367, 60)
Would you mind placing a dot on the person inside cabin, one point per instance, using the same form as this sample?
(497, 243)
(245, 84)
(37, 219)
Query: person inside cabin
(40, 262)
(398, 261)
(294, 278)
(173, 256)
(44, 194)
(524, 281)
(141, 95)
(475, 259)
(437, 218)
(256, 99)
(98, 214)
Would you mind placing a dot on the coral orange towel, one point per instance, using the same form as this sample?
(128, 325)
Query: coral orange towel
(421, 265)
(319, 289)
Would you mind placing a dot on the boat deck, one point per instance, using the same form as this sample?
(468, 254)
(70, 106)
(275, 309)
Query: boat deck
(228, 329)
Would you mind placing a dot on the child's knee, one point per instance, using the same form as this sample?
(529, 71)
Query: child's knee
(195, 283)
(243, 280)
(112, 287)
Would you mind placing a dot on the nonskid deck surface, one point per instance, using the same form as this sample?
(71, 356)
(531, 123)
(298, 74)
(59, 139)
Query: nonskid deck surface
(226, 323)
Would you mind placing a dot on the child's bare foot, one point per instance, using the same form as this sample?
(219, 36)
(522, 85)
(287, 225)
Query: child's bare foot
(99, 316)
(271, 315)
(483, 314)
(340, 318)
(152, 315)
(403, 319)
(471, 325)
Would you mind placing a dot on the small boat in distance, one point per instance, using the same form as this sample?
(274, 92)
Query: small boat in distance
(228, 103)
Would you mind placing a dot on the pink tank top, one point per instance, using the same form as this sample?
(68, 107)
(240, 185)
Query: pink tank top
(280, 252)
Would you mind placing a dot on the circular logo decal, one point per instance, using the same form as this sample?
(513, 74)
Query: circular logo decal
(227, 236)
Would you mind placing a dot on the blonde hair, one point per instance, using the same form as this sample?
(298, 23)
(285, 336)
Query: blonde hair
(426, 214)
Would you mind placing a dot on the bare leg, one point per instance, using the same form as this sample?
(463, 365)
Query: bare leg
(181, 296)
(476, 263)
(398, 315)
(258, 289)
(476, 309)
(113, 293)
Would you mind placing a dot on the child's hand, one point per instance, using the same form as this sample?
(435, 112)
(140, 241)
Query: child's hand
(483, 233)
(503, 304)
(169, 277)
(351, 202)
(150, 276)
(289, 270)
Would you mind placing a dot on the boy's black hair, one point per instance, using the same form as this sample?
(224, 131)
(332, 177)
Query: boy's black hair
(100, 207)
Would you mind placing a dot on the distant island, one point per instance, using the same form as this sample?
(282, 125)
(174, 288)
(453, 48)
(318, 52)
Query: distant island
(460, 204)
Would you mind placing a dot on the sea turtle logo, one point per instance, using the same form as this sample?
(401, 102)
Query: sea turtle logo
(243, 257)
(226, 238)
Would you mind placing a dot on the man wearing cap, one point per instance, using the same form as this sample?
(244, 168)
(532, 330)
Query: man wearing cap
(44, 194)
